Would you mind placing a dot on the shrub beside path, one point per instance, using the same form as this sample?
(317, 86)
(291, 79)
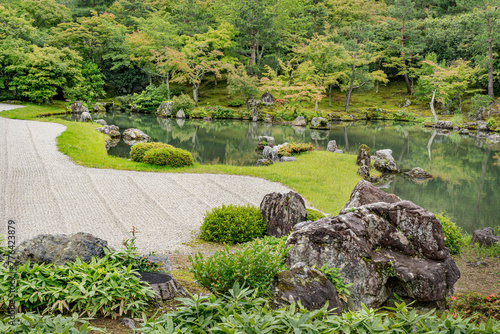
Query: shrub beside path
(42, 191)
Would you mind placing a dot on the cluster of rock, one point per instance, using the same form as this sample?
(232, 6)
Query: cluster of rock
(485, 237)
(134, 136)
(382, 245)
(83, 113)
(270, 152)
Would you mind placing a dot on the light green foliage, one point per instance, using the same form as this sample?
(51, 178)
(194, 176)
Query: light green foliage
(149, 99)
(90, 88)
(294, 148)
(46, 13)
(240, 83)
(236, 103)
(314, 215)
(40, 73)
(232, 224)
(102, 287)
(241, 312)
(166, 156)
(137, 151)
(183, 102)
(334, 276)
(480, 101)
(253, 265)
(222, 112)
(28, 323)
(453, 237)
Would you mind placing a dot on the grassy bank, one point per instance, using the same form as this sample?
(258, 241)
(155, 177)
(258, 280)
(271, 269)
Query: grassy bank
(323, 178)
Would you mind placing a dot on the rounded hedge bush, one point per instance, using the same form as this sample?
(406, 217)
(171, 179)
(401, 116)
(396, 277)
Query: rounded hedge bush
(138, 150)
(168, 156)
(233, 224)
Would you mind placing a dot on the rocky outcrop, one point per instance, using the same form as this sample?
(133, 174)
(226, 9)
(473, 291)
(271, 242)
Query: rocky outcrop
(265, 141)
(381, 248)
(60, 248)
(332, 146)
(101, 122)
(444, 124)
(165, 109)
(366, 193)
(319, 123)
(306, 284)
(364, 158)
(264, 162)
(281, 212)
(85, 117)
(485, 237)
(419, 174)
(254, 106)
(134, 136)
(384, 162)
(299, 121)
(110, 130)
(364, 172)
(270, 153)
(267, 99)
(180, 114)
(78, 108)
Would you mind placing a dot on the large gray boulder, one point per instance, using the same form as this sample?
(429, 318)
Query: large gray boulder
(364, 158)
(485, 237)
(306, 284)
(366, 193)
(60, 248)
(384, 162)
(319, 123)
(254, 106)
(382, 249)
(267, 99)
(419, 174)
(265, 141)
(165, 109)
(332, 146)
(85, 117)
(299, 121)
(180, 114)
(270, 153)
(281, 212)
(78, 108)
(134, 136)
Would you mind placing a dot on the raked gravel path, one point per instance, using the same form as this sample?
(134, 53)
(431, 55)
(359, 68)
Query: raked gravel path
(42, 191)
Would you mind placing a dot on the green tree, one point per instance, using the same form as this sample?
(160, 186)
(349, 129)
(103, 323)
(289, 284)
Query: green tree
(45, 71)
(46, 13)
(239, 82)
(91, 87)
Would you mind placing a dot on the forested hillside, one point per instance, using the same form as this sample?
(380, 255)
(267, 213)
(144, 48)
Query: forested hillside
(301, 50)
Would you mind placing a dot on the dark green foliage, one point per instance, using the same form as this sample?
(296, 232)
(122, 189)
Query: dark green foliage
(236, 103)
(91, 87)
(102, 287)
(294, 148)
(183, 102)
(472, 304)
(222, 112)
(233, 224)
(137, 151)
(453, 237)
(253, 265)
(28, 323)
(150, 98)
(241, 312)
(166, 156)
(314, 215)
(333, 275)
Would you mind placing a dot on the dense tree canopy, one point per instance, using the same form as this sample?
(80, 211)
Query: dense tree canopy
(300, 49)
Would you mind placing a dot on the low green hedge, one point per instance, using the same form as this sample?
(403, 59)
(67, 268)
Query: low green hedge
(233, 224)
(137, 151)
(453, 236)
(168, 156)
(29, 323)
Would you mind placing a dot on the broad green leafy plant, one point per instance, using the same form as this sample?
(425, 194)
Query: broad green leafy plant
(28, 323)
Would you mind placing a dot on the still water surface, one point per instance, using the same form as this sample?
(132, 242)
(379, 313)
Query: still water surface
(466, 169)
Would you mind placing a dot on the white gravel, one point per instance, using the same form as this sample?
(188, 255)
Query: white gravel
(42, 191)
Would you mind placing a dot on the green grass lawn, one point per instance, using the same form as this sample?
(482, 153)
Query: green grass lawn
(325, 179)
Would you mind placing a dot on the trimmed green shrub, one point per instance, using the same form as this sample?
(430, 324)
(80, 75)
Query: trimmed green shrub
(103, 287)
(168, 156)
(294, 148)
(253, 265)
(241, 312)
(314, 215)
(233, 224)
(137, 151)
(28, 323)
(236, 103)
(453, 237)
(222, 112)
(183, 102)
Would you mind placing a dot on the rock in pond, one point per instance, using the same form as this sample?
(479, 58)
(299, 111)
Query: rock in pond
(85, 117)
(299, 121)
(281, 212)
(60, 248)
(265, 141)
(78, 108)
(381, 248)
(319, 123)
(419, 173)
(384, 162)
(165, 109)
(306, 284)
(180, 114)
(133, 136)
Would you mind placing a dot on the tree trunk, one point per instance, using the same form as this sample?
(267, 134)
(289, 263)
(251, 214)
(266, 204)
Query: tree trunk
(330, 96)
(196, 92)
(168, 85)
(378, 82)
(351, 87)
(432, 105)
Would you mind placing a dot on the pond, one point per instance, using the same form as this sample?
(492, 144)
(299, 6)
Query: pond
(466, 169)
